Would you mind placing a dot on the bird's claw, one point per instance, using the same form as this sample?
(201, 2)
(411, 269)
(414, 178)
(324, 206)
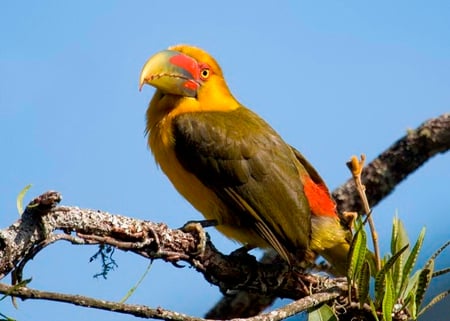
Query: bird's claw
(349, 219)
(196, 227)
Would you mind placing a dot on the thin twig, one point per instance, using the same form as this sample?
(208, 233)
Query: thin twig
(295, 307)
(356, 167)
(79, 300)
(160, 313)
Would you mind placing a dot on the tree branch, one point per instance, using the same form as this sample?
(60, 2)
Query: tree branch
(380, 177)
(392, 166)
(160, 313)
(44, 223)
(136, 310)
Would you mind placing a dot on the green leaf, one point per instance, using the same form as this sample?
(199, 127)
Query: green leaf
(364, 283)
(357, 254)
(440, 272)
(439, 251)
(412, 284)
(381, 275)
(373, 309)
(423, 282)
(401, 237)
(19, 200)
(388, 299)
(394, 234)
(435, 300)
(401, 240)
(409, 295)
(407, 300)
(370, 258)
(411, 260)
(411, 304)
(323, 313)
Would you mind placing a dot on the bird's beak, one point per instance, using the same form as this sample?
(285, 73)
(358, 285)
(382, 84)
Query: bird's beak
(171, 72)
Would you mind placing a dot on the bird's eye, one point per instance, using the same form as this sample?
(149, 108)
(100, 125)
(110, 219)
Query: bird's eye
(204, 73)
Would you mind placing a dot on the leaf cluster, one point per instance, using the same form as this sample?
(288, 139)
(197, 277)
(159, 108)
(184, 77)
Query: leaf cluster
(397, 290)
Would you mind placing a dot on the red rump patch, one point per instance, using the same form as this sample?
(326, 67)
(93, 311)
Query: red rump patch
(319, 199)
(187, 63)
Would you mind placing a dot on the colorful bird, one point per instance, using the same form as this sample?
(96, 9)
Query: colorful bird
(232, 166)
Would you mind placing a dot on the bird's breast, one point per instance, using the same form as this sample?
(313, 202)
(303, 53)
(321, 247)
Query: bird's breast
(162, 145)
(204, 199)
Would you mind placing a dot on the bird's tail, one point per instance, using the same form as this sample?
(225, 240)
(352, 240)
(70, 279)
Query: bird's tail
(332, 241)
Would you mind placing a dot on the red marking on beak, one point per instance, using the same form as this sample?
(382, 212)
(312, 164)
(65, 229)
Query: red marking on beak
(190, 84)
(187, 63)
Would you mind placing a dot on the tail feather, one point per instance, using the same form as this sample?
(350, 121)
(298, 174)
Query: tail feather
(331, 240)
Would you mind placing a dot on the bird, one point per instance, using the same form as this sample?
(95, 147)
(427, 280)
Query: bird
(232, 166)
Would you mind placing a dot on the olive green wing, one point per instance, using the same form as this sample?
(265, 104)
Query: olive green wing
(312, 172)
(251, 169)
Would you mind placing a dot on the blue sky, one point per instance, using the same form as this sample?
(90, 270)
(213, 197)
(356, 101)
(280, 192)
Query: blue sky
(335, 79)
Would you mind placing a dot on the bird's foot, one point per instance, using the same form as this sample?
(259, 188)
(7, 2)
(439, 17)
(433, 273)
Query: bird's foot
(196, 228)
(349, 219)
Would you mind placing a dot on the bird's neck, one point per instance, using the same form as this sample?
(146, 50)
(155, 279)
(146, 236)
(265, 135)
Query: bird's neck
(160, 108)
(164, 107)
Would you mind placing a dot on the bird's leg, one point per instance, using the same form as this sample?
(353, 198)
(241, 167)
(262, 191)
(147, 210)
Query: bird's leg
(196, 227)
(349, 219)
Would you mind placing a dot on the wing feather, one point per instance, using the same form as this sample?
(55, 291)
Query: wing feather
(252, 171)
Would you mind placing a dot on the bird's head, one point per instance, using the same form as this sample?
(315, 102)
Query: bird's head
(185, 71)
